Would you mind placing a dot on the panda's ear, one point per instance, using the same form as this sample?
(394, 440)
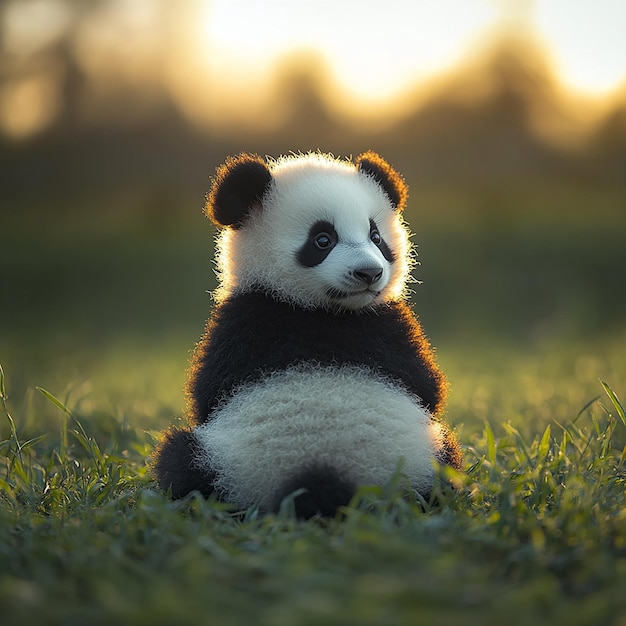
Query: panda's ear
(392, 183)
(238, 186)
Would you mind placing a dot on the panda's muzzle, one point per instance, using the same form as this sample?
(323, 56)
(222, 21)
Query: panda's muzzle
(368, 275)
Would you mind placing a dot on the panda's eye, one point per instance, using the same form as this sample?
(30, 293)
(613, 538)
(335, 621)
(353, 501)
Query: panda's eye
(323, 241)
(375, 237)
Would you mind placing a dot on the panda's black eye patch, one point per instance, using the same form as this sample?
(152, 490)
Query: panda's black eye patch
(380, 243)
(322, 238)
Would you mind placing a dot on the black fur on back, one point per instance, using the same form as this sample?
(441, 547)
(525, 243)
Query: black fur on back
(251, 334)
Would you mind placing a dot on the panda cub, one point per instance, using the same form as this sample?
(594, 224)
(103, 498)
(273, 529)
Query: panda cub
(313, 373)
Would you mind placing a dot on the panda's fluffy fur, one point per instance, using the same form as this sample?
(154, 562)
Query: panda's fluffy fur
(313, 374)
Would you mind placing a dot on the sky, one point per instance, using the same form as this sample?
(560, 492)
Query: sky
(377, 49)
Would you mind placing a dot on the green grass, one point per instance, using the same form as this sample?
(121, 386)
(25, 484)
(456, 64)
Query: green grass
(534, 533)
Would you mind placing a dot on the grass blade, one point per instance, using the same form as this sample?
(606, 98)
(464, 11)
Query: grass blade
(3, 391)
(55, 401)
(544, 445)
(491, 444)
(64, 423)
(592, 401)
(619, 409)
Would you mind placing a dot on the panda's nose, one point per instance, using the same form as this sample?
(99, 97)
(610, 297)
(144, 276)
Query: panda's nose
(368, 275)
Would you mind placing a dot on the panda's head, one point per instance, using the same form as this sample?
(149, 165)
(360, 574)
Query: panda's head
(311, 230)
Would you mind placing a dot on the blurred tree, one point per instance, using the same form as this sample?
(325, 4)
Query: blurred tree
(39, 39)
(117, 128)
(479, 124)
(606, 155)
(305, 118)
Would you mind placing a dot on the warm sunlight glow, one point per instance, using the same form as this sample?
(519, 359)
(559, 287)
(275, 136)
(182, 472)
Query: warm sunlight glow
(30, 26)
(102, 42)
(378, 49)
(374, 49)
(588, 41)
(367, 63)
(27, 106)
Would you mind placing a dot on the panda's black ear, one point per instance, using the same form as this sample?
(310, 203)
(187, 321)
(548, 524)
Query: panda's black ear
(392, 183)
(239, 184)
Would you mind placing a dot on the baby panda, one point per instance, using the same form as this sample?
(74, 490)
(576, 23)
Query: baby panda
(313, 375)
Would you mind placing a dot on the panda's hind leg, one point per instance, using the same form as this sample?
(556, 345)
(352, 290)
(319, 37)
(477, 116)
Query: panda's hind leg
(324, 491)
(175, 466)
(450, 451)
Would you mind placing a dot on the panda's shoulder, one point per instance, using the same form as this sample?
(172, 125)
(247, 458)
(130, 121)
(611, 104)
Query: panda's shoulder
(254, 309)
(258, 314)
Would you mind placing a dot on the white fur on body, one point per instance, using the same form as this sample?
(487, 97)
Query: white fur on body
(306, 189)
(348, 418)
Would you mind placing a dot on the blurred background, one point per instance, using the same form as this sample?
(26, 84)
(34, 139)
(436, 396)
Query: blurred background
(506, 117)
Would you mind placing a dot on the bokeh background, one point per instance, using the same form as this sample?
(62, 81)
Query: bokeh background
(507, 118)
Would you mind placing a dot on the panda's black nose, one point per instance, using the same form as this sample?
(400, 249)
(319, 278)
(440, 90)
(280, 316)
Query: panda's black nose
(368, 275)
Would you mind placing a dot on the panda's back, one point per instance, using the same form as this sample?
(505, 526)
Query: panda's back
(251, 335)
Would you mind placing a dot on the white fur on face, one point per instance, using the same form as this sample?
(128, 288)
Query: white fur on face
(347, 418)
(305, 190)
